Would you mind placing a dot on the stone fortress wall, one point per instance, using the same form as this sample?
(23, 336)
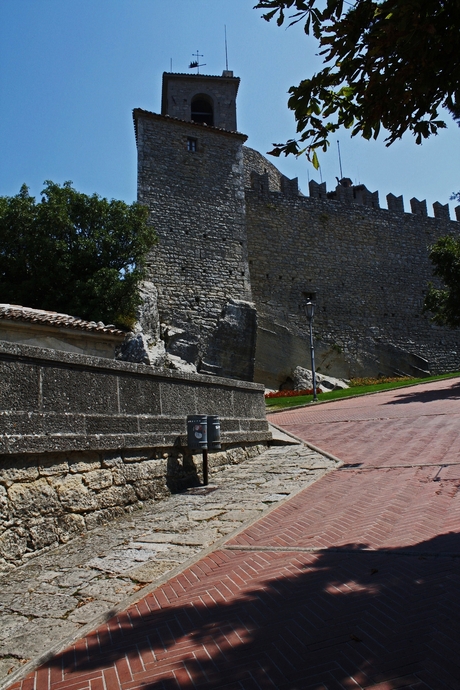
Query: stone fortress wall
(240, 249)
(368, 269)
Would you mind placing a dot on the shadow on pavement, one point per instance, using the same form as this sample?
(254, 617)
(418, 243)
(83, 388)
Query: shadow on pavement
(451, 393)
(342, 618)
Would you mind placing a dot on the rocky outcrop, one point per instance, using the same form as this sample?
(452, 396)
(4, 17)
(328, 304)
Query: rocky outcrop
(303, 379)
(143, 344)
(231, 348)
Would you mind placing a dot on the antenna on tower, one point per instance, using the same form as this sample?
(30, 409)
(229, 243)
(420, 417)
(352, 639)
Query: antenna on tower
(226, 51)
(170, 64)
(340, 160)
(196, 63)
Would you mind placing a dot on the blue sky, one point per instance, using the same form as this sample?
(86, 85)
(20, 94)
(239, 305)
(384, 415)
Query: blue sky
(71, 72)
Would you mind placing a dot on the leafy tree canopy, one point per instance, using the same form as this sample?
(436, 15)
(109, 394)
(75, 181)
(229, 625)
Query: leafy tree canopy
(389, 64)
(73, 253)
(444, 302)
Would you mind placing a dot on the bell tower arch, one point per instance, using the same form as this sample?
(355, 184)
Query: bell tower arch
(210, 100)
(202, 109)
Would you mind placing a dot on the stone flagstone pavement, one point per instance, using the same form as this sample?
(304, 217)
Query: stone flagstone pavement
(352, 582)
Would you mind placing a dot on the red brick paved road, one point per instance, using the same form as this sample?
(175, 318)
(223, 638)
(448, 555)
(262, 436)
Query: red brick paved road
(419, 424)
(353, 583)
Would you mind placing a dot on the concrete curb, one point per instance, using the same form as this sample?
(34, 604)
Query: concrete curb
(309, 445)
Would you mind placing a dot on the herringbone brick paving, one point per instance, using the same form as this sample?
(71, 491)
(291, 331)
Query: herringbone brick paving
(353, 583)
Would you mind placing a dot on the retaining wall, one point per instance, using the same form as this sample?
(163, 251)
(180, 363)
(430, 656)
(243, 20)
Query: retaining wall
(85, 439)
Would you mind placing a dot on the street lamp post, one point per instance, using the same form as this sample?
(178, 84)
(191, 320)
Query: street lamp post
(310, 312)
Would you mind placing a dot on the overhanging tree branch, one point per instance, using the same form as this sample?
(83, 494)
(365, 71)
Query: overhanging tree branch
(391, 64)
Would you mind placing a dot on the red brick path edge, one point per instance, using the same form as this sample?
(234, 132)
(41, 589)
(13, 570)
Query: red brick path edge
(353, 583)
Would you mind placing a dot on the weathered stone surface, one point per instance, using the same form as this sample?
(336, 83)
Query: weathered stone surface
(137, 455)
(78, 390)
(43, 534)
(141, 348)
(147, 409)
(74, 495)
(44, 606)
(58, 507)
(20, 385)
(231, 350)
(8, 665)
(144, 344)
(147, 572)
(364, 323)
(303, 379)
(34, 498)
(111, 590)
(183, 346)
(144, 470)
(19, 469)
(145, 489)
(178, 364)
(4, 511)
(116, 496)
(112, 460)
(102, 517)
(50, 466)
(98, 479)
(93, 573)
(13, 543)
(35, 638)
(204, 515)
(87, 612)
(195, 308)
(90, 462)
(70, 526)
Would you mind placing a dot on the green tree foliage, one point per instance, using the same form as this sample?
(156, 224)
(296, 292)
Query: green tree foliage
(444, 302)
(389, 64)
(73, 253)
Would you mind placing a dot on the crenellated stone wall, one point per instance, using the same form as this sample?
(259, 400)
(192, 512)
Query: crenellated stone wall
(240, 249)
(368, 269)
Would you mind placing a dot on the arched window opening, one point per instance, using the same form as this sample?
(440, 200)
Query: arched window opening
(202, 111)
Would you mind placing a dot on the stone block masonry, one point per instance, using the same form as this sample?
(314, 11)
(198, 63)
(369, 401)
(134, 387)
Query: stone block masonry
(368, 268)
(191, 178)
(241, 249)
(179, 91)
(84, 439)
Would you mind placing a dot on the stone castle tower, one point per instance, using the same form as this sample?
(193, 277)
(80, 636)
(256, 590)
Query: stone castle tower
(190, 175)
(240, 249)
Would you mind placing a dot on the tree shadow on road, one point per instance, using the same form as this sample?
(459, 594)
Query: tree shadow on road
(340, 618)
(450, 393)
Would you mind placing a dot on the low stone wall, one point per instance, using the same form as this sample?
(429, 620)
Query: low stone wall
(50, 498)
(83, 440)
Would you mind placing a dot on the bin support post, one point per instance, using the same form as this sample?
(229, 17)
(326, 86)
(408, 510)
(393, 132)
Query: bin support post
(205, 467)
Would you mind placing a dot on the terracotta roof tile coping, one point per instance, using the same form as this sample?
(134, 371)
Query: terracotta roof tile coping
(148, 113)
(16, 312)
(200, 75)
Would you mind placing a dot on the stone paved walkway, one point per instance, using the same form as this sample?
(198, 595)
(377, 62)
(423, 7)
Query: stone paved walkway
(61, 594)
(352, 582)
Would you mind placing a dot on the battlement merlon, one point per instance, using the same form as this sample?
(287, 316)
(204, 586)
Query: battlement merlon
(260, 183)
(347, 193)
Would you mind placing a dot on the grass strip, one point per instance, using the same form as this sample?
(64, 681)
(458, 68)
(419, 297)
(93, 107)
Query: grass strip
(299, 400)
